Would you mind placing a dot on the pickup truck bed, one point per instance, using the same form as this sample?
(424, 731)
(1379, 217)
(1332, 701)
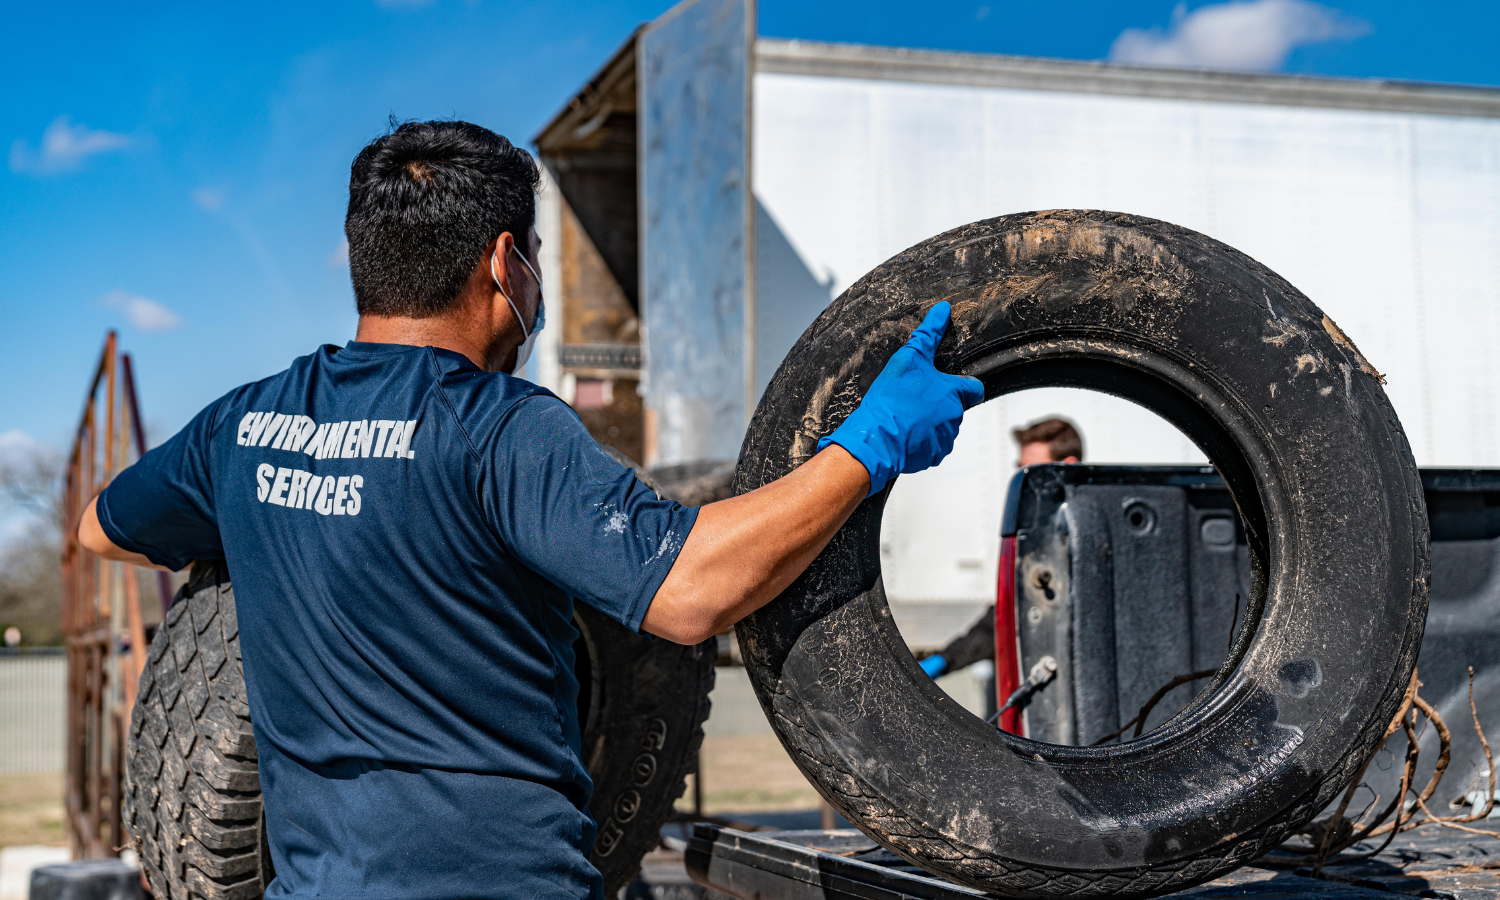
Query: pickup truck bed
(1129, 576)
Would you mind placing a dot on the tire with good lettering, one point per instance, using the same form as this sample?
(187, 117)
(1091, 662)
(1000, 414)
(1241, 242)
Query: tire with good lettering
(192, 801)
(1296, 421)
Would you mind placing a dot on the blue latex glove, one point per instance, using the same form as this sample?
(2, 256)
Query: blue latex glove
(934, 665)
(909, 417)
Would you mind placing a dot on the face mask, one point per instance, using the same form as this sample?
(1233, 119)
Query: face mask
(524, 352)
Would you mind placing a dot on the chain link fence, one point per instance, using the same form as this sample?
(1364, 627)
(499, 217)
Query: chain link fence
(33, 709)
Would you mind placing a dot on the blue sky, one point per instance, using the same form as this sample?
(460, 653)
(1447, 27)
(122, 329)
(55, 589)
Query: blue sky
(179, 172)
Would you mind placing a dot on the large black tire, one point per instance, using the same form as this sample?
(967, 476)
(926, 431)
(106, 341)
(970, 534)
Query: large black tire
(192, 789)
(1296, 421)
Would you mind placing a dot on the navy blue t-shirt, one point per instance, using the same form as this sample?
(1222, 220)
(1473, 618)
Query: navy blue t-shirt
(405, 532)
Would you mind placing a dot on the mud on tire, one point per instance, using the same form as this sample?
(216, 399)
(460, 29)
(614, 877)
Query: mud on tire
(1296, 421)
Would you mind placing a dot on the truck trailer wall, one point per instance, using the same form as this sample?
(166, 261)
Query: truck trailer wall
(1389, 220)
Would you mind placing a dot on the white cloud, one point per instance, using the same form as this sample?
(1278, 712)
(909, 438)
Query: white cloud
(1242, 34)
(145, 314)
(64, 147)
(340, 257)
(211, 199)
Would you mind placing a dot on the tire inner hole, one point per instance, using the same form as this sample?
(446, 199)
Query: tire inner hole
(1142, 619)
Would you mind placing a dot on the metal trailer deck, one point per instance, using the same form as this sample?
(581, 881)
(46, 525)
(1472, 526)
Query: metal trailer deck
(1431, 862)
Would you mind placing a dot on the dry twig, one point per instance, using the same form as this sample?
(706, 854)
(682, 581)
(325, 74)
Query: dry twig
(1140, 718)
(1332, 837)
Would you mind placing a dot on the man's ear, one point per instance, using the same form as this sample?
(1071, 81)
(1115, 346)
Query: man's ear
(497, 257)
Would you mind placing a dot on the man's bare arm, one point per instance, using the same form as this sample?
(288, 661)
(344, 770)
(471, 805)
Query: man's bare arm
(744, 551)
(91, 535)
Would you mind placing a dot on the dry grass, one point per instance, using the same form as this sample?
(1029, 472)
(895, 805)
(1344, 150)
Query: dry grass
(31, 809)
(748, 773)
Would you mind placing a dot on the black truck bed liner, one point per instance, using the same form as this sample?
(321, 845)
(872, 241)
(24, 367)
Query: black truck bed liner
(1148, 574)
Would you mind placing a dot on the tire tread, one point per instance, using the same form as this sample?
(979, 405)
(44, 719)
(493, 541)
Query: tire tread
(192, 789)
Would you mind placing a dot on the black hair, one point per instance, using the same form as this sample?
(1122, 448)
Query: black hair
(425, 199)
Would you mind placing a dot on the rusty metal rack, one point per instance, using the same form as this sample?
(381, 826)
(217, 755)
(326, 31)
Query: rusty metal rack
(101, 614)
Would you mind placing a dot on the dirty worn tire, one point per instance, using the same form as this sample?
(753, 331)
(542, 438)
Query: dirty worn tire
(1300, 428)
(192, 791)
(192, 788)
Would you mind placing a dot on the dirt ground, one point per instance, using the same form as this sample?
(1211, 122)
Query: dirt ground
(748, 773)
(31, 809)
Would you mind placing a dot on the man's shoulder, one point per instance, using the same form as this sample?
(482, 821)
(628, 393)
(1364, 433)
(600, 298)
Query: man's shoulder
(486, 403)
(294, 374)
(271, 389)
(480, 403)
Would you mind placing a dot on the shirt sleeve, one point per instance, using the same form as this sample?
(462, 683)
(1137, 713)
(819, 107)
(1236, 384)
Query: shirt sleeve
(581, 520)
(163, 506)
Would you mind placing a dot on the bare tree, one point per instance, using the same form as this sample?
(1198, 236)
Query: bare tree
(30, 575)
(31, 588)
(31, 481)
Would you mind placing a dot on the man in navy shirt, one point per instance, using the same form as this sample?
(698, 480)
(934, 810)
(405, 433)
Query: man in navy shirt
(408, 525)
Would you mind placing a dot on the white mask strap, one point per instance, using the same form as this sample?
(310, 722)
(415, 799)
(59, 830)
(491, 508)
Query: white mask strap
(525, 332)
